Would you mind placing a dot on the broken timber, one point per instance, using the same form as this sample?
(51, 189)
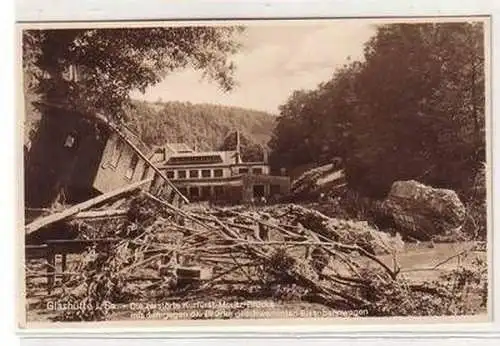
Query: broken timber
(50, 219)
(98, 214)
(176, 191)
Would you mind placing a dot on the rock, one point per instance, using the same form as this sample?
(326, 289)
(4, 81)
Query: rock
(423, 212)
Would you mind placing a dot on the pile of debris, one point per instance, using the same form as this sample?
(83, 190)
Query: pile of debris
(135, 247)
(154, 250)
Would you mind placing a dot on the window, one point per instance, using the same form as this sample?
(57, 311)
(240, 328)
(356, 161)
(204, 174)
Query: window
(193, 173)
(72, 73)
(183, 191)
(117, 153)
(181, 174)
(76, 73)
(133, 165)
(205, 173)
(218, 172)
(243, 170)
(170, 174)
(257, 170)
(70, 141)
(145, 172)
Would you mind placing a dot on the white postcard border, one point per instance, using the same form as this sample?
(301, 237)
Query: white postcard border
(103, 10)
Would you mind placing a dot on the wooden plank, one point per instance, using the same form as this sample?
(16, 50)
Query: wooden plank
(57, 274)
(47, 220)
(64, 262)
(144, 157)
(51, 270)
(158, 186)
(159, 190)
(168, 193)
(169, 190)
(35, 251)
(76, 245)
(155, 185)
(100, 213)
(176, 201)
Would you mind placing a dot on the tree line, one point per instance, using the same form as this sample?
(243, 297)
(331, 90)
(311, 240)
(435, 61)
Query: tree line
(413, 108)
(202, 126)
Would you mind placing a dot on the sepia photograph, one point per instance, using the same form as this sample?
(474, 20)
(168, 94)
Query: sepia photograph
(265, 170)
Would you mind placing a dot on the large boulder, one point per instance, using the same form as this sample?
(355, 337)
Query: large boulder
(424, 212)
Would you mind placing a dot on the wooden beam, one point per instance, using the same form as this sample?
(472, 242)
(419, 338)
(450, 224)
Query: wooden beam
(75, 246)
(144, 157)
(97, 214)
(35, 251)
(66, 213)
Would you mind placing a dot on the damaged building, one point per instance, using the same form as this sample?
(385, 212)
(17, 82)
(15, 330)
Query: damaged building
(76, 156)
(219, 175)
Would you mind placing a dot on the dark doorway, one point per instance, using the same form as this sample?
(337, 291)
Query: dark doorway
(219, 192)
(205, 193)
(258, 191)
(194, 193)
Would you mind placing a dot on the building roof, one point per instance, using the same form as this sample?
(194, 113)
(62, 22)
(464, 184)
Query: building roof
(205, 157)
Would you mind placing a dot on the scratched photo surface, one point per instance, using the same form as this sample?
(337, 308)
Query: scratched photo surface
(260, 170)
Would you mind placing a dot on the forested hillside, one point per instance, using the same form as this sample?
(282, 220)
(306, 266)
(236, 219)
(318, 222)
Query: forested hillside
(202, 125)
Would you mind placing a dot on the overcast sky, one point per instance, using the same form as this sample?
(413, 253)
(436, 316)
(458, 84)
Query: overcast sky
(275, 60)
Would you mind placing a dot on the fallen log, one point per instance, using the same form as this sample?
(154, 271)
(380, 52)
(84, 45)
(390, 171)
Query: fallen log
(66, 213)
(98, 214)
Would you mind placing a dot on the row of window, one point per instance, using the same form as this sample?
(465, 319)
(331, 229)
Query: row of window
(194, 173)
(206, 173)
(255, 170)
(202, 191)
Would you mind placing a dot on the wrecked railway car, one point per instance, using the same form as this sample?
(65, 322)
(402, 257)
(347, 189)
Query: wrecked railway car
(76, 156)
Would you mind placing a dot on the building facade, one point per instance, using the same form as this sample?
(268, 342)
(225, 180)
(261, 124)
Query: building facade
(218, 175)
